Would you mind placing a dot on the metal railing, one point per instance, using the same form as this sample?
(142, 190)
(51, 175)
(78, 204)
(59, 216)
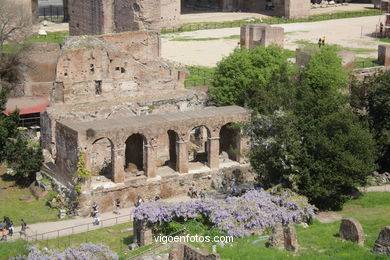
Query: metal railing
(120, 219)
(52, 13)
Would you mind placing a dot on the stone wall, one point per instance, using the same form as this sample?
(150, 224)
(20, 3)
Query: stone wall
(296, 9)
(104, 67)
(384, 54)
(253, 35)
(170, 13)
(109, 16)
(167, 186)
(39, 74)
(113, 75)
(67, 150)
(86, 17)
(186, 251)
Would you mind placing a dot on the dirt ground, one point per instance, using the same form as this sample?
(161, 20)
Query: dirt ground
(351, 33)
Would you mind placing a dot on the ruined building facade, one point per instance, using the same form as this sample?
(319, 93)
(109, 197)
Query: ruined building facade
(125, 109)
(108, 16)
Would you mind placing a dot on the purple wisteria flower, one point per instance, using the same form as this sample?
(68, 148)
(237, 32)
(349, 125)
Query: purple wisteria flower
(237, 216)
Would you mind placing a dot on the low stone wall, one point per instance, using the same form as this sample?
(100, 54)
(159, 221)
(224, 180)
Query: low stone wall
(164, 187)
(185, 251)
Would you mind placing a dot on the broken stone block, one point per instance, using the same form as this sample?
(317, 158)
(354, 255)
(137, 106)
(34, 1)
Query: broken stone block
(284, 237)
(382, 244)
(351, 229)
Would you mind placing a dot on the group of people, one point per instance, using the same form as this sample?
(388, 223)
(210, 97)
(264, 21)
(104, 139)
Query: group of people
(95, 211)
(193, 193)
(321, 41)
(229, 186)
(7, 228)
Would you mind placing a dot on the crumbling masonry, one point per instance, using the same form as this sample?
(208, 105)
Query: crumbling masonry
(116, 101)
(109, 16)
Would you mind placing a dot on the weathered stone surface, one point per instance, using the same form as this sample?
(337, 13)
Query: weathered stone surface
(186, 251)
(384, 54)
(109, 16)
(382, 244)
(284, 237)
(351, 229)
(39, 74)
(253, 35)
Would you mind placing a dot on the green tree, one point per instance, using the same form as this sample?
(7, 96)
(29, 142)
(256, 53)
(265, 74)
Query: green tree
(24, 157)
(378, 106)
(259, 79)
(321, 148)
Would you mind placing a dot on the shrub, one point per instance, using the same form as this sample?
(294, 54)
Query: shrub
(237, 216)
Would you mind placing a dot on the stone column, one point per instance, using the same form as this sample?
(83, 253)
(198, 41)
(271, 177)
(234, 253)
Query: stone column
(150, 164)
(118, 164)
(181, 157)
(242, 149)
(213, 152)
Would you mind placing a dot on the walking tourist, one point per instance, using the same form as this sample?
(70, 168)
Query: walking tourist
(4, 234)
(117, 206)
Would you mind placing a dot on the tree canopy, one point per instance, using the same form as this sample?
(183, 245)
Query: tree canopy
(259, 79)
(305, 136)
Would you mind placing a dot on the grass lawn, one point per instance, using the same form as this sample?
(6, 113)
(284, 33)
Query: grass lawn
(117, 242)
(321, 241)
(271, 20)
(339, 47)
(11, 206)
(365, 62)
(318, 241)
(56, 37)
(199, 76)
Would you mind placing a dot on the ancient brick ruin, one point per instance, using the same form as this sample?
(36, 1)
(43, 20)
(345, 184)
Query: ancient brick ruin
(117, 102)
(108, 16)
(253, 35)
(284, 237)
(186, 251)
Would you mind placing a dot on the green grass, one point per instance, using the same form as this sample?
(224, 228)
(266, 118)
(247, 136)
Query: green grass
(117, 242)
(365, 62)
(56, 37)
(271, 20)
(186, 39)
(320, 240)
(199, 76)
(384, 39)
(13, 249)
(11, 206)
(338, 47)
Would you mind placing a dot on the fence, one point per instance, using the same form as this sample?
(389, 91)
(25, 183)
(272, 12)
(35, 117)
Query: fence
(52, 13)
(272, 20)
(56, 234)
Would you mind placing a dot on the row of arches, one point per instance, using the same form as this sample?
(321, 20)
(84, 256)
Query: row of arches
(135, 152)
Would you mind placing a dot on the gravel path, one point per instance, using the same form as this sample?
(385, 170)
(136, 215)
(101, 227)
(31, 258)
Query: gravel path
(354, 33)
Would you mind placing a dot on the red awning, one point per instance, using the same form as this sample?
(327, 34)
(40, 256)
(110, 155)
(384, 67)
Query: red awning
(26, 105)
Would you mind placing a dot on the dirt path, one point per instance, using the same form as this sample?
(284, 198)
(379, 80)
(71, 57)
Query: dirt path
(49, 230)
(354, 33)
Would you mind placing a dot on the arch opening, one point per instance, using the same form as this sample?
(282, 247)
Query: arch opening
(198, 145)
(102, 158)
(173, 138)
(229, 142)
(135, 154)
